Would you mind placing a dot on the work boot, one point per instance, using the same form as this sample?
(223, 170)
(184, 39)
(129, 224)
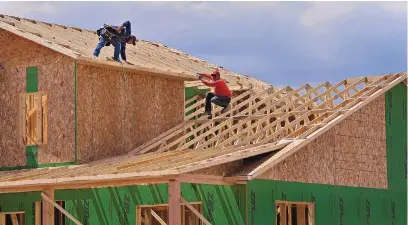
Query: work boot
(117, 60)
(206, 113)
(225, 109)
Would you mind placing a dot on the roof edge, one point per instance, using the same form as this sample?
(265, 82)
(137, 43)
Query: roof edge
(135, 68)
(38, 40)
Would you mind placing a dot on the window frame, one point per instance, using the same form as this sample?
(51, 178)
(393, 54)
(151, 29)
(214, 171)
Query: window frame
(38, 212)
(183, 211)
(33, 118)
(309, 219)
(19, 214)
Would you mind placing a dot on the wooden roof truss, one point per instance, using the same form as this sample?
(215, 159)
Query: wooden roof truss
(269, 116)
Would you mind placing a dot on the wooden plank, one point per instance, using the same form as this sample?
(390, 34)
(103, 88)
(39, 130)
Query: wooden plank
(139, 215)
(198, 214)
(53, 203)
(14, 219)
(37, 213)
(174, 202)
(39, 119)
(311, 212)
(289, 208)
(2, 219)
(45, 118)
(47, 207)
(300, 214)
(284, 214)
(157, 217)
(21, 118)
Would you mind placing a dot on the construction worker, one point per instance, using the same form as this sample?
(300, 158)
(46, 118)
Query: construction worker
(221, 95)
(118, 37)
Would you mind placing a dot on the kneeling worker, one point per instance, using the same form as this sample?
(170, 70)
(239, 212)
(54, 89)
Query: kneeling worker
(221, 95)
(118, 37)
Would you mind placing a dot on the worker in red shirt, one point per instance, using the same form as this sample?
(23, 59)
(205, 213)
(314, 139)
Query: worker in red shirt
(221, 95)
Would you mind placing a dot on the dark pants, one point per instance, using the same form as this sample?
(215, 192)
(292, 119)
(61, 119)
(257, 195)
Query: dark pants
(222, 101)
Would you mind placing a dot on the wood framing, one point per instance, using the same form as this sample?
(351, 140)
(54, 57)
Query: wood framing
(48, 207)
(49, 201)
(17, 218)
(197, 213)
(285, 113)
(32, 119)
(304, 211)
(365, 96)
(174, 202)
(148, 214)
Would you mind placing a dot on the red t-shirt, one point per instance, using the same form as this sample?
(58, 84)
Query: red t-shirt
(220, 86)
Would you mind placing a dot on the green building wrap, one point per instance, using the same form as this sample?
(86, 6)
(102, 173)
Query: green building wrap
(340, 205)
(253, 203)
(107, 206)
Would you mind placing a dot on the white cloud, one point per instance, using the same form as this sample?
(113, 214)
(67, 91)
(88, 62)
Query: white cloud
(318, 13)
(324, 12)
(397, 7)
(23, 8)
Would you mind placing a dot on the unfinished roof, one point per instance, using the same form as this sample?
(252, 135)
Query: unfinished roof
(300, 119)
(80, 44)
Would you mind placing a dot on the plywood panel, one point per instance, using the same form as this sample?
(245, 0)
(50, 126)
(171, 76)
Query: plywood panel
(221, 170)
(118, 112)
(353, 153)
(55, 79)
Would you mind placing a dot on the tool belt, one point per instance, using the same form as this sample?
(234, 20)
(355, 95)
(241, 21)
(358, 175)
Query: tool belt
(110, 34)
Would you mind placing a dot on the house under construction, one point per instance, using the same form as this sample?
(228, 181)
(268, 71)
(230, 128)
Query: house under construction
(90, 141)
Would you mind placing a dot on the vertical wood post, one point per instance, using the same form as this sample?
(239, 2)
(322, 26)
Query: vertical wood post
(174, 202)
(2, 219)
(48, 208)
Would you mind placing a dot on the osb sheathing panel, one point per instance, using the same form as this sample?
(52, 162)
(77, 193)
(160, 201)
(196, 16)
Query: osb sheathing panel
(115, 115)
(221, 170)
(353, 153)
(55, 74)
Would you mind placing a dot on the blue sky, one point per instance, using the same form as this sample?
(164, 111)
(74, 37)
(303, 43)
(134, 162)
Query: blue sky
(279, 42)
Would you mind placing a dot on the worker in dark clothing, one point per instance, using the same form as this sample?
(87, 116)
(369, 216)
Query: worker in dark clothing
(118, 37)
(221, 95)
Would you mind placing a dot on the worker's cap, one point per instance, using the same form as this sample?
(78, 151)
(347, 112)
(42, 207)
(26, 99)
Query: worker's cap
(133, 38)
(215, 73)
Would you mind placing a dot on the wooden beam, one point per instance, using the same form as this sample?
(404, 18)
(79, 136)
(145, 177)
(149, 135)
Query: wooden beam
(78, 183)
(311, 212)
(14, 219)
(157, 217)
(174, 202)
(21, 129)
(197, 213)
(301, 214)
(47, 207)
(52, 202)
(37, 213)
(204, 179)
(2, 219)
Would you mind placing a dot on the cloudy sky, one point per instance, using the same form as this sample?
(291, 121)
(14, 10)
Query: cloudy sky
(279, 42)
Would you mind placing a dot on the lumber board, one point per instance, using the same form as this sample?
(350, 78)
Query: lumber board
(198, 214)
(157, 217)
(2, 219)
(174, 202)
(62, 210)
